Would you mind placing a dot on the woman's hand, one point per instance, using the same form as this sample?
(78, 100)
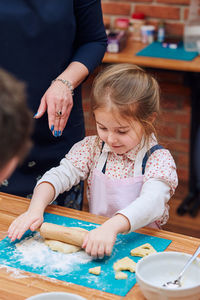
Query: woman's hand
(100, 241)
(28, 220)
(57, 100)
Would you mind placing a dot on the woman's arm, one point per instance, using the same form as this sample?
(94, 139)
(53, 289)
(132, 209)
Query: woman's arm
(91, 39)
(89, 48)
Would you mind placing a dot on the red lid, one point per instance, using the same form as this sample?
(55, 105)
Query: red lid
(122, 23)
(122, 20)
(138, 15)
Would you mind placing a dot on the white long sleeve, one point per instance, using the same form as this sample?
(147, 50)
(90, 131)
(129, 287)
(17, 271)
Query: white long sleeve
(149, 206)
(63, 177)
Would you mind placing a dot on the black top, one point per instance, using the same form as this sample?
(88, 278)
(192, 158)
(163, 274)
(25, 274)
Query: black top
(38, 39)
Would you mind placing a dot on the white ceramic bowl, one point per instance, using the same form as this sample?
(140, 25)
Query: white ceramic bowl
(154, 270)
(56, 296)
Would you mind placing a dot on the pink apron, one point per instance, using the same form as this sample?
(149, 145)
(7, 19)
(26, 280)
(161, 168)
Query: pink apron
(109, 195)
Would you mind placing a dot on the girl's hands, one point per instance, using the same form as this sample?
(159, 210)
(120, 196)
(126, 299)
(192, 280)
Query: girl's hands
(32, 219)
(99, 242)
(58, 98)
(28, 220)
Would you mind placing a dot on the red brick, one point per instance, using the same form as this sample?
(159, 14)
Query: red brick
(171, 29)
(183, 160)
(86, 93)
(182, 189)
(114, 8)
(183, 174)
(168, 103)
(174, 29)
(86, 106)
(106, 21)
(186, 104)
(175, 117)
(179, 2)
(173, 102)
(175, 146)
(161, 12)
(185, 133)
(167, 77)
(175, 89)
(167, 131)
(186, 12)
(143, 1)
(90, 132)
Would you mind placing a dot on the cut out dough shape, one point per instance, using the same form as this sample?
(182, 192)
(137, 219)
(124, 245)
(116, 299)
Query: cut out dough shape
(143, 250)
(62, 247)
(125, 264)
(121, 275)
(95, 270)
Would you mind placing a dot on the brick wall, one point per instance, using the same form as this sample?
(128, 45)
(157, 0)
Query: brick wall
(173, 12)
(174, 122)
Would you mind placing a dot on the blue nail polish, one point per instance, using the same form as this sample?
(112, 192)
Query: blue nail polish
(56, 133)
(59, 133)
(52, 127)
(35, 115)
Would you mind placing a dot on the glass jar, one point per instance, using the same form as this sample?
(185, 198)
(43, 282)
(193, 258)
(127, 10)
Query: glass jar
(192, 28)
(136, 22)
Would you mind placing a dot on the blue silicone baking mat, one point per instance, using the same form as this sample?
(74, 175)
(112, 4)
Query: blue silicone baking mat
(157, 50)
(32, 255)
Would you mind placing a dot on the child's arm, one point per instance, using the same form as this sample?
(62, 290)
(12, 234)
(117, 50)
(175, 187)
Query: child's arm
(33, 217)
(100, 241)
(54, 182)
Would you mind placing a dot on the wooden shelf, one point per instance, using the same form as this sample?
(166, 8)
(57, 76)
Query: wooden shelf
(128, 55)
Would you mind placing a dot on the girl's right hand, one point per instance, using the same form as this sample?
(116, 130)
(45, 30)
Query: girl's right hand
(28, 220)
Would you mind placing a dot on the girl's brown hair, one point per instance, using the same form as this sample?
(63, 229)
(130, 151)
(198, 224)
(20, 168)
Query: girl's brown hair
(129, 91)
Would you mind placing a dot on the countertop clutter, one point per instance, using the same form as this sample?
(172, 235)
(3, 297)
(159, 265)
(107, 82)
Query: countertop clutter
(16, 284)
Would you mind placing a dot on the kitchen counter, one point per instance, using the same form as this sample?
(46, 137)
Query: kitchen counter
(128, 55)
(18, 287)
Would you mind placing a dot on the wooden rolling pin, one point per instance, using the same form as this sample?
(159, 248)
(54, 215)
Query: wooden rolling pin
(70, 235)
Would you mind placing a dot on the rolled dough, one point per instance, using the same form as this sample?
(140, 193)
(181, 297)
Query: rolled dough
(62, 247)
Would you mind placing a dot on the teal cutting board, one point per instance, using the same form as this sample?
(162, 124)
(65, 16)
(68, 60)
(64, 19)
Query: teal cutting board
(74, 267)
(156, 50)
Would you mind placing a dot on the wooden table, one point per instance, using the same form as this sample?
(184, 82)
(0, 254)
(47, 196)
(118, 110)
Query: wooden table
(21, 288)
(191, 71)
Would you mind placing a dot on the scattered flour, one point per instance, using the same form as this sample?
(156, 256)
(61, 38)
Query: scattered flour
(32, 252)
(14, 272)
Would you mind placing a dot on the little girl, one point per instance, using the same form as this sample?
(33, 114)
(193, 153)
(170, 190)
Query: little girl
(130, 177)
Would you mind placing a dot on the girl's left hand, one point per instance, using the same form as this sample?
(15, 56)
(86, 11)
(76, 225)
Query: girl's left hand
(57, 99)
(99, 242)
